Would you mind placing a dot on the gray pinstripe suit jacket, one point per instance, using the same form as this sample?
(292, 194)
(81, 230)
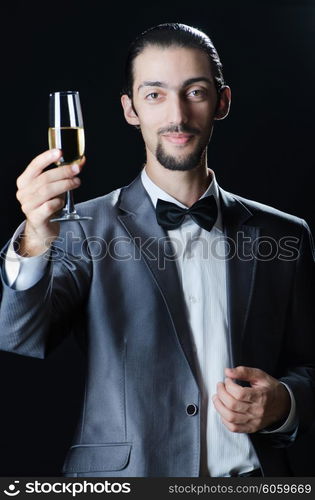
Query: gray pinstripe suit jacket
(108, 281)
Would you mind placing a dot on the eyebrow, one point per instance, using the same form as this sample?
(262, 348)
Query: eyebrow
(164, 85)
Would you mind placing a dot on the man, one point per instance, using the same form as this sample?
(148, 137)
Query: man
(198, 338)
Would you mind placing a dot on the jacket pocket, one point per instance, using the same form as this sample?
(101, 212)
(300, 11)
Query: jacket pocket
(97, 457)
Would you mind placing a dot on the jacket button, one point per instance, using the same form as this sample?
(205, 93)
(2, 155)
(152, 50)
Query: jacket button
(191, 410)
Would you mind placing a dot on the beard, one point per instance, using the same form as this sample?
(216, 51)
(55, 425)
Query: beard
(185, 162)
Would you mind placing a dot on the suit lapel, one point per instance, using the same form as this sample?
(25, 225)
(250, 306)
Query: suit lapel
(139, 220)
(241, 268)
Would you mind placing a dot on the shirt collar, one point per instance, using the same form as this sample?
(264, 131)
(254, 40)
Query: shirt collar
(155, 192)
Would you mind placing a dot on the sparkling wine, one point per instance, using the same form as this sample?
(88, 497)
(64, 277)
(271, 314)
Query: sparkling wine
(70, 140)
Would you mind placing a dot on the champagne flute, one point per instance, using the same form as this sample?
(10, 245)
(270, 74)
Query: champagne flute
(66, 132)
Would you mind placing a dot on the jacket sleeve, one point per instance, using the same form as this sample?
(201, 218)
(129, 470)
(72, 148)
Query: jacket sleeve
(299, 351)
(35, 320)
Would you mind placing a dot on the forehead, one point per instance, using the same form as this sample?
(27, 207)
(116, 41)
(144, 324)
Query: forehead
(170, 64)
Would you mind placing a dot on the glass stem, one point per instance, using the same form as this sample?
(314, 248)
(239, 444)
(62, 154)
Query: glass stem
(69, 206)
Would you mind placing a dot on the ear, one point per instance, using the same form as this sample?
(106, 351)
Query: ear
(224, 102)
(129, 112)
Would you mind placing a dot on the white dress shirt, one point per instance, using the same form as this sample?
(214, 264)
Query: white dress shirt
(202, 270)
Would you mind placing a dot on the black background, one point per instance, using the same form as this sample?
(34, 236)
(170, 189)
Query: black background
(263, 151)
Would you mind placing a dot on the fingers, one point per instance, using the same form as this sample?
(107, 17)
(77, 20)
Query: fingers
(41, 194)
(230, 401)
(37, 165)
(46, 210)
(244, 420)
(247, 409)
(248, 427)
(37, 190)
(252, 375)
(47, 192)
(232, 417)
(56, 174)
(244, 394)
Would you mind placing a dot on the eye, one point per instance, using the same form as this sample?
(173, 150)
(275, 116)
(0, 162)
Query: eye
(196, 93)
(152, 96)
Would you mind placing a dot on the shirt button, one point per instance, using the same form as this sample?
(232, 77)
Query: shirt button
(192, 299)
(191, 410)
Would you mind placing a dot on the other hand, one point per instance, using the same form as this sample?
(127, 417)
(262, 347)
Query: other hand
(250, 409)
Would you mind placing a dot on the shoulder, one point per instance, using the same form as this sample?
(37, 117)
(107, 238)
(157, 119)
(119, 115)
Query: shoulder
(111, 202)
(104, 211)
(267, 216)
(105, 202)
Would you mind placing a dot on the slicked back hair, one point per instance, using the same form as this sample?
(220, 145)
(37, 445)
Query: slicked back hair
(172, 35)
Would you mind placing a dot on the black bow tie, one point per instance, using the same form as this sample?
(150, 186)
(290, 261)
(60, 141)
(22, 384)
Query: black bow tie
(204, 212)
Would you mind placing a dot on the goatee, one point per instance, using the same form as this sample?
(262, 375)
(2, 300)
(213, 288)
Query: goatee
(186, 163)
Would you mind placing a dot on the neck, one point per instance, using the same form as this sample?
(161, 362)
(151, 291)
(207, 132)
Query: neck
(187, 186)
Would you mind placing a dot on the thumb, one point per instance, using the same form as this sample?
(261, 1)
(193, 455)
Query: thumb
(253, 375)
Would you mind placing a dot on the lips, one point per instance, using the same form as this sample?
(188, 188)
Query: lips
(178, 138)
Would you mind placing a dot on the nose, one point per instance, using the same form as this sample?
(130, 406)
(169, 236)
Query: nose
(177, 110)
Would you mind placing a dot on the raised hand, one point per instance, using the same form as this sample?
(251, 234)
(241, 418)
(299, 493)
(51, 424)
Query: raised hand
(41, 195)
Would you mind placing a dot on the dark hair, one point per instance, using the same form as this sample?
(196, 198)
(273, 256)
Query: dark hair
(172, 34)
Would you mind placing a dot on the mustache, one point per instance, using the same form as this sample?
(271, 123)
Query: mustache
(178, 129)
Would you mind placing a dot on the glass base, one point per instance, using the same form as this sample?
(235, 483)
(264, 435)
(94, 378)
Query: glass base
(70, 217)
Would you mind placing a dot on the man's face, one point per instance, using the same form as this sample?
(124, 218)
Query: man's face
(175, 98)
